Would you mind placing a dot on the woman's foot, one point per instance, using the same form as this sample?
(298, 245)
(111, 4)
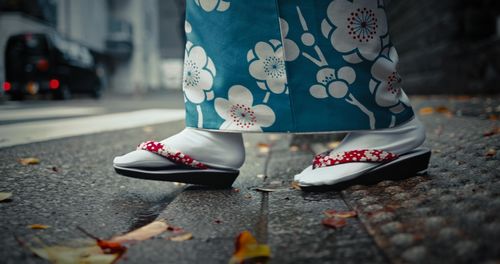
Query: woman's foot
(214, 149)
(398, 140)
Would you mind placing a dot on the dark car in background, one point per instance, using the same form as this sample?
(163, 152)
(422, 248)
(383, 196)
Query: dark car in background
(42, 63)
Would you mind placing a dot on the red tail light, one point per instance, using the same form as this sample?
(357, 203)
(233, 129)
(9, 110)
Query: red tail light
(7, 86)
(42, 65)
(54, 84)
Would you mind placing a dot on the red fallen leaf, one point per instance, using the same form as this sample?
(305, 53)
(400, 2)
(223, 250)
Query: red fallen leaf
(247, 248)
(493, 131)
(334, 222)
(341, 214)
(175, 229)
(108, 247)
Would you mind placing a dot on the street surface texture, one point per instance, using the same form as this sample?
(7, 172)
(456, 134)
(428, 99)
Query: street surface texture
(450, 215)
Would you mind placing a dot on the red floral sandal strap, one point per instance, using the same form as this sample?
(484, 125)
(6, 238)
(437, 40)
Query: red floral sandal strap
(363, 155)
(172, 155)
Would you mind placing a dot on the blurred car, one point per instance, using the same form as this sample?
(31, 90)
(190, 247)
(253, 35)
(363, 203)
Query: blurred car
(41, 63)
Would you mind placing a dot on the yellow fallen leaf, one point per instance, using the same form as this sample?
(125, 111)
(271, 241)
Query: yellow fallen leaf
(38, 226)
(426, 111)
(333, 144)
(69, 255)
(247, 248)
(29, 161)
(5, 196)
(143, 233)
(182, 237)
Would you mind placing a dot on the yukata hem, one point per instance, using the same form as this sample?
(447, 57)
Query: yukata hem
(299, 132)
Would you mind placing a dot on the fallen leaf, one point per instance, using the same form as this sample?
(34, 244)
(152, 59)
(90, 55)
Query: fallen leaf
(183, 237)
(175, 229)
(148, 129)
(265, 189)
(295, 185)
(340, 214)
(263, 148)
(294, 148)
(443, 110)
(334, 222)
(491, 132)
(66, 255)
(247, 248)
(143, 233)
(29, 161)
(333, 144)
(107, 246)
(5, 196)
(38, 226)
(426, 111)
(491, 152)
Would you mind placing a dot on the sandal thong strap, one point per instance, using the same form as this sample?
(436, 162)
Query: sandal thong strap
(363, 155)
(172, 155)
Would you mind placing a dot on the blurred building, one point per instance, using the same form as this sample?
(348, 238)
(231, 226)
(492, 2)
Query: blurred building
(122, 34)
(447, 46)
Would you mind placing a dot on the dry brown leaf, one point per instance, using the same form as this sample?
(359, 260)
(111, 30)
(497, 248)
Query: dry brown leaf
(143, 233)
(182, 237)
(340, 214)
(294, 148)
(247, 248)
(491, 152)
(426, 111)
(334, 222)
(295, 185)
(443, 110)
(263, 148)
(38, 226)
(29, 161)
(148, 129)
(5, 196)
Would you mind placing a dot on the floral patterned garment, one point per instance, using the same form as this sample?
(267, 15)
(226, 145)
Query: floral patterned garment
(291, 66)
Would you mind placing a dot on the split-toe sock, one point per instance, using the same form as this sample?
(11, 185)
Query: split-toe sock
(215, 149)
(398, 140)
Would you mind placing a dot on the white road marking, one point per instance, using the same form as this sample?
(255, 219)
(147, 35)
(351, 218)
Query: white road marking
(48, 112)
(37, 131)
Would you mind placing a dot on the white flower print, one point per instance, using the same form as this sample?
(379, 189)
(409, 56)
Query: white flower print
(211, 5)
(356, 28)
(239, 112)
(333, 84)
(387, 82)
(199, 73)
(292, 51)
(267, 65)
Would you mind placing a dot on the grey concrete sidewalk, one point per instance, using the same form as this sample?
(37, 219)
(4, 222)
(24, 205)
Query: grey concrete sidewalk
(451, 215)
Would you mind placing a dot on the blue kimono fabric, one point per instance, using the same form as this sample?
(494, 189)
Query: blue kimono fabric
(291, 66)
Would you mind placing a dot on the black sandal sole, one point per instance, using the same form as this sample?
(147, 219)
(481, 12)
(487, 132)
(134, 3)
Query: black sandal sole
(208, 177)
(406, 166)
